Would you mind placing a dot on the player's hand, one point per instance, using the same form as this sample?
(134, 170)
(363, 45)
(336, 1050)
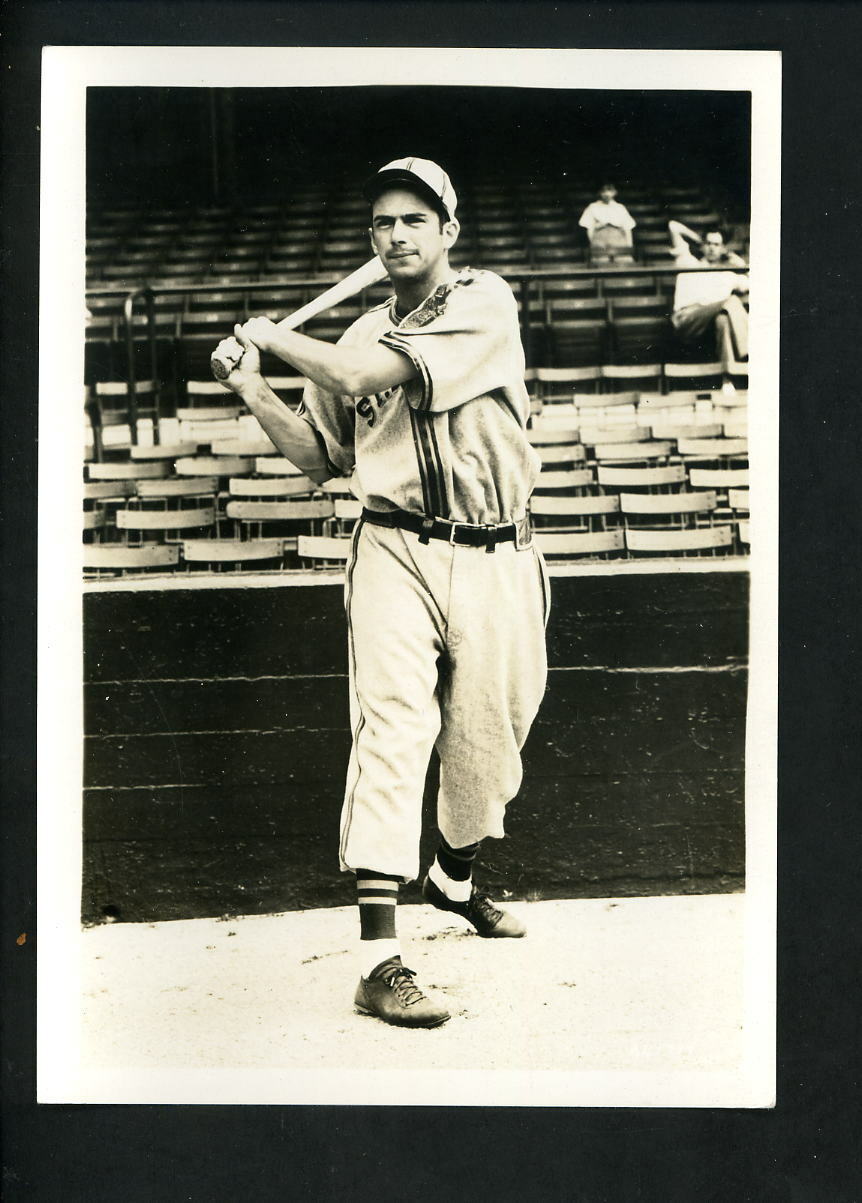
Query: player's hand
(261, 331)
(246, 356)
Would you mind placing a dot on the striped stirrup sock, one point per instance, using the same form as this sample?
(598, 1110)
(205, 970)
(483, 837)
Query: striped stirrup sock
(377, 895)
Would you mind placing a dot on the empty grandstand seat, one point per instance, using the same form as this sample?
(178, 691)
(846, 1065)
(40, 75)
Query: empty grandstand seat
(593, 436)
(737, 499)
(701, 539)
(323, 550)
(565, 479)
(176, 487)
(275, 465)
(255, 514)
(562, 453)
(621, 377)
(162, 450)
(577, 343)
(569, 512)
(163, 520)
(631, 452)
(638, 339)
(575, 543)
(222, 466)
(108, 490)
(112, 400)
(546, 434)
(666, 510)
(558, 384)
(128, 470)
(653, 478)
(614, 286)
(666, 429)
(694, 375)
(220, 552)
(716, 449)
(271, 486)
(118, 556)
(720, 479)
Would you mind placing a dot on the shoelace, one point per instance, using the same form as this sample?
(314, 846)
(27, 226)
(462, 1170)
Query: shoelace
(484, 906)
(400, 979)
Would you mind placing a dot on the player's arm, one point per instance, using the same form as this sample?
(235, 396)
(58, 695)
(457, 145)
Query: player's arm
(335, 367)
(295, 438)
(681, 236)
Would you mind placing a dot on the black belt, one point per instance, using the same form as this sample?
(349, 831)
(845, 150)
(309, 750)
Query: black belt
(459, 534)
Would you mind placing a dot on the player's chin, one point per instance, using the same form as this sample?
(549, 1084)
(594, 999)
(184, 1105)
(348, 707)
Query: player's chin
(404, 265)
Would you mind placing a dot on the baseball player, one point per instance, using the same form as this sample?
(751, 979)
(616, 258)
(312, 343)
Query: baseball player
(422, 403)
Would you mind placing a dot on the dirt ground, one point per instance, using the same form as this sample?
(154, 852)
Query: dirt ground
(645, 984)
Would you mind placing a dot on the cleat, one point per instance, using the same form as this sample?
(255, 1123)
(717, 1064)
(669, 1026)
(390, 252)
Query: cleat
(489, 921)
(390, 993)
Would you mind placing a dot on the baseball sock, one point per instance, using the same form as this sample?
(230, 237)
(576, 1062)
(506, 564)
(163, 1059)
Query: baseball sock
(451, 870)
(377, 895)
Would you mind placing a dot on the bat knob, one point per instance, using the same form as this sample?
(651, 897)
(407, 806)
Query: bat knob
(225, 358)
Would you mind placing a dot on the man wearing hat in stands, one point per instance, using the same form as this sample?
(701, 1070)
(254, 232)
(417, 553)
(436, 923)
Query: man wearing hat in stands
(422, 403)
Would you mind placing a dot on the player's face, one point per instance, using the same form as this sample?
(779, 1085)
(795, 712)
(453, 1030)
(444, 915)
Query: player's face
(608, 194)
(713, 246)
(408, 236)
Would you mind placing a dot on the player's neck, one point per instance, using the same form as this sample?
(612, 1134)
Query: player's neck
(409, 294)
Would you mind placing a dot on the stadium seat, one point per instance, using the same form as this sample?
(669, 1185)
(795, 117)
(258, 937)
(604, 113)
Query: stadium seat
(619, 377)
(323, 550)
(592, 543)
(694, 375)
(571, 513)
(117, 556)
(654, 479)
(271, 486)
(639, 452)
(702, 539)
(553, 479)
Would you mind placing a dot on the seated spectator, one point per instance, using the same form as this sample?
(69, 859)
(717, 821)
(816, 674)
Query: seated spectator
(608, 224)
(701, 298)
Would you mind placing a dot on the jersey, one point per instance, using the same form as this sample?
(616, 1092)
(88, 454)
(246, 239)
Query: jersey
(451, 442)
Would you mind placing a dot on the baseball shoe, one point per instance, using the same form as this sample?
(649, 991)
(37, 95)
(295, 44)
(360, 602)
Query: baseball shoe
(488, 920)
(390, 994)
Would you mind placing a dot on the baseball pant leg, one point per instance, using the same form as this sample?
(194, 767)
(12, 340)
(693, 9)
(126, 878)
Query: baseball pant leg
(395, 636)
(493, 685)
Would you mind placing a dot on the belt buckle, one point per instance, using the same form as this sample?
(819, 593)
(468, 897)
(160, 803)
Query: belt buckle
(453, 542)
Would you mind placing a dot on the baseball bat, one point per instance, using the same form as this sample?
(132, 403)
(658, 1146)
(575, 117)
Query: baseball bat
(229, 352)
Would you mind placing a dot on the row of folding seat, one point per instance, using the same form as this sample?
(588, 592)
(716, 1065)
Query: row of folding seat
(242, 492)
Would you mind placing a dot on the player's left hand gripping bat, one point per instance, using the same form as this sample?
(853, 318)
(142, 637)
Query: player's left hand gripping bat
(229, 352)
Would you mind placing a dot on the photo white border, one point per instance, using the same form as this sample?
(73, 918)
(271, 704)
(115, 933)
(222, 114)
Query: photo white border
(67, 72)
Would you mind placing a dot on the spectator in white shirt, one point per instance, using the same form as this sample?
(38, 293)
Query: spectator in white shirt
(709, 299)
(608, 223)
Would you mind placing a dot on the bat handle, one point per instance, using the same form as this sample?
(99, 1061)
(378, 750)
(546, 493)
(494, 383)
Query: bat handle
(225, 358)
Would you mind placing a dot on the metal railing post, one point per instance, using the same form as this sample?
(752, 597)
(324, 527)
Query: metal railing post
(131, 383)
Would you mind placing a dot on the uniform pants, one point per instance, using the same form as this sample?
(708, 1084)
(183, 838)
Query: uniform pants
(447, 649)
(693, 321)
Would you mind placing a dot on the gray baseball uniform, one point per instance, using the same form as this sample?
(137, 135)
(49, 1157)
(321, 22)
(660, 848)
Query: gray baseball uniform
(447, 642)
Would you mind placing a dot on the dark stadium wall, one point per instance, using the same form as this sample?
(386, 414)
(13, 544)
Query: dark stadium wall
(217, 742)
(156, 146)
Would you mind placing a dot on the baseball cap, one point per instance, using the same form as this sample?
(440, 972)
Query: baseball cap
(428, 178)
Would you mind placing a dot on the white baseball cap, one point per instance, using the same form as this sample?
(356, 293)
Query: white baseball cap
(429, 178)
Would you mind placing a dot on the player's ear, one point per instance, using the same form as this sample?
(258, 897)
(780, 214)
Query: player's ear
(451, 230)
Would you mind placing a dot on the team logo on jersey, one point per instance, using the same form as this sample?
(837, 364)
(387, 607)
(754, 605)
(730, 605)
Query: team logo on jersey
(435, 305)
(367, 407)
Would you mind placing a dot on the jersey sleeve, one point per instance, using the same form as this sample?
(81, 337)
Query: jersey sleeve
(463, 345)
(333, 424)
(627, 222)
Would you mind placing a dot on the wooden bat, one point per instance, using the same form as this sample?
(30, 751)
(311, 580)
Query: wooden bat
(229, 352)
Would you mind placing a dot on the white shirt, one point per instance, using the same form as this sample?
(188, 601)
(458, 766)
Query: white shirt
(704, 288)
(612, 213)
